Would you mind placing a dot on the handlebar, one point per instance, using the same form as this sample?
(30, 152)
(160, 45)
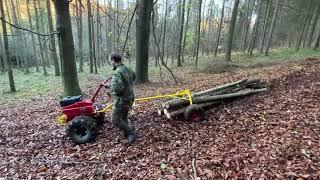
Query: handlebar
(93, 99)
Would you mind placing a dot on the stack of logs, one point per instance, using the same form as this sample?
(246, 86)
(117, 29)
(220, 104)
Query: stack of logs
(214, 96)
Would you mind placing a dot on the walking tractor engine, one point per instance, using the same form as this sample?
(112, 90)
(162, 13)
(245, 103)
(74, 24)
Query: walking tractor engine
(82, 117)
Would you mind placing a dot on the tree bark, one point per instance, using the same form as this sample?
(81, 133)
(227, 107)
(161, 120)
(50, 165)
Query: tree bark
(198, 32)
(219, 30)
(69, 68)
(266, 17)
(272, 28)
(53, 49)
(142, 40)
(181, 33)
(7, 63)
(39, 40)
(231, 30)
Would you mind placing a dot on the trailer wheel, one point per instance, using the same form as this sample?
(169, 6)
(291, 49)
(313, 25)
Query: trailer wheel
(82, 129)
(100, 119)
(194, 113)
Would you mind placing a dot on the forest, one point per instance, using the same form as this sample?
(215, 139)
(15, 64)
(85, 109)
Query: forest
(249, 69)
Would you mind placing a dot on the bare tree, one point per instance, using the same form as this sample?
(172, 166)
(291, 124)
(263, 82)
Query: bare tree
(7, 61)
(231, 29)
(272, 28)
(219, 29)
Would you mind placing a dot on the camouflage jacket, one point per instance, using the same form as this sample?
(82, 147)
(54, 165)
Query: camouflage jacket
(122, 84)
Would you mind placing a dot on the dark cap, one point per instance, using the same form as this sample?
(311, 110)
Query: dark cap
(116, 57)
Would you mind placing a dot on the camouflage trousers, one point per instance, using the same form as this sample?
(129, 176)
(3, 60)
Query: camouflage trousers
(119, 117)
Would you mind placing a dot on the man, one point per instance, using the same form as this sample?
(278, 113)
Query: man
(123, 96)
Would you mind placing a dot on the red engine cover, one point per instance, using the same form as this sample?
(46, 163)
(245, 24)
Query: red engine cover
(77, 109)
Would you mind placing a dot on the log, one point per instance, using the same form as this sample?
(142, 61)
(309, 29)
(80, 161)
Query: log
(171, 114)
(228, 96)
(232, 87)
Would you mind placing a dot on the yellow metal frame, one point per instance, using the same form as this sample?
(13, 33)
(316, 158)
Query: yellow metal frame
(178, 95)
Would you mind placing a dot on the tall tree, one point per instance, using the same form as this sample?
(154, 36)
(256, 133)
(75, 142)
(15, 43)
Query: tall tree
(305, 21)
(219, 29)
(181, 23)
(265, 22)
(198, 31)
(7, 62)
(272, 28)
(164, 30)
(69, 68)
(247, 25)
(255, 30)
(34, 49)
(317, 41)
(231, 29)
(39, 39)
(142, 39)
(186, 27)
(52, 42)
(2, 56)
(90, 35)
(80, 35)
(314, 20)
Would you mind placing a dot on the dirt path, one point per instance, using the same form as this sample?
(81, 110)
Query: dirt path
(271, 135)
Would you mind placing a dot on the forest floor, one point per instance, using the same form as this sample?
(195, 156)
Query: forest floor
(271, 135)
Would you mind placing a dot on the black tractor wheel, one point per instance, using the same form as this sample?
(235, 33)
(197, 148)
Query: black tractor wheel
(194, 113)
(82, 129)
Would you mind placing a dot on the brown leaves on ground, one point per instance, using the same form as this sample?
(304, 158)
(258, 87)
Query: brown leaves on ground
(267, 136)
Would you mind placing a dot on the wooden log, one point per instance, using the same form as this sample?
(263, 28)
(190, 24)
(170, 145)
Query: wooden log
(172, 114)
(228, 96)
(208, 91)
(239, 85)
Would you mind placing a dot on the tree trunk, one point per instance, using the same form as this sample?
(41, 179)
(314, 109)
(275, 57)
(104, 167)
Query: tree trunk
(265, 26)
(247, 27)
(42, 29)
(231, 30)
(7, 62)
(142, 40)
(53, 42)
(69, 68)
(90, 35)
(2, 56)
(255, 30)
(185, 30)
(182, 7)
(302, 32)
(313, 25)
(94, 47)
(32, 35)
(198, 32)
(219, 29)
(80, 36)
(164, 31)
(317, 42)
(98, 36)
(272, 28)
(39, 40)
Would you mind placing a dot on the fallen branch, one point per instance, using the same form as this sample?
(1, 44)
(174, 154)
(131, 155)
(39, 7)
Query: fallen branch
(25, 29)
